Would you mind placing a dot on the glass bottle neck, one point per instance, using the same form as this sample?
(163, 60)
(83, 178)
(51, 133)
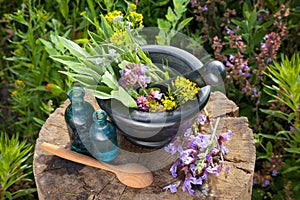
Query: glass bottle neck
(100, 117)
(102, 123)
(76, 95)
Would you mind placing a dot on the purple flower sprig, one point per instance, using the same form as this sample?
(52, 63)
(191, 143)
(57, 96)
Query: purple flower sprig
(133, 74)
(198, 155)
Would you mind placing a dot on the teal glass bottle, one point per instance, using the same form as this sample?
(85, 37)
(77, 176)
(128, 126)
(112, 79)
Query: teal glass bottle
(78, 116)
(103, 138)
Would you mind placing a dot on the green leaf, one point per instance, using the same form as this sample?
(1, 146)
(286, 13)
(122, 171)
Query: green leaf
(291, 116)
(160, 3)
(144, 57)
(82, 41)
(49, 47)
(291, 169)
(267, 24)
(184, 23)
(246, 37)
(110, 81)
(13, 167)
(275, 113)
(124, 97)
(92, 8)
(95, 37)
(103, 89)
(295, 137)
(253, 20)
(273, 137)
(246, 11)
(85, 68)
(257, 38)
(180, 7)
(239, 23)
(269, 148)
(106, 28)
(63, 8)
(74, 48)
(101, 94)
(20, 18)
(286, 134)
(68, 61)
(170, 16)
(23, 192)
(262, 157)
(163, 24)
(293, 150)
(39, 88)
(286, 76)
(91, 64)
(39, 121)
(85, 80)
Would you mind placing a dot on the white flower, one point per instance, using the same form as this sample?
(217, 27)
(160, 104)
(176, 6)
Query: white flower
(111, 52)
(99, 61)
(128, 25)
(117, 19)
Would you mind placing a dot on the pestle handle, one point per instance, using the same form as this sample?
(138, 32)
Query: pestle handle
(213, 73)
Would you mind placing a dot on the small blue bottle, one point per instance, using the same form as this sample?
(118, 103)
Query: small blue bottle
(103, 138)
(78, 117)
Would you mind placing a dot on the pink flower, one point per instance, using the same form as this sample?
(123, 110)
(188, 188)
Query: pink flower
(142, 103)
(156, 94)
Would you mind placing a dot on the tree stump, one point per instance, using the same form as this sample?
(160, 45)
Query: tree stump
(61, 179)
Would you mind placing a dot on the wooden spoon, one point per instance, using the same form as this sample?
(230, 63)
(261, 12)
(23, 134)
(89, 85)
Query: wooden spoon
(131, 174)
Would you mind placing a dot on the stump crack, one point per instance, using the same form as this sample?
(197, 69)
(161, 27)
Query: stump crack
(234, 160)
(103, 188)
(122, 192)
(237, 161)
(52, 125)
(244, 170)
(50, 170)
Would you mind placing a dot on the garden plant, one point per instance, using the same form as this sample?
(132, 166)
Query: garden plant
(256, 40)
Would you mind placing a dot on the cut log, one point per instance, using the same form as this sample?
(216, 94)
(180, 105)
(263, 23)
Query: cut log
(61, 179)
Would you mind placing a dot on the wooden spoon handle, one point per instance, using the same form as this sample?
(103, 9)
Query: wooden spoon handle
(75, 157)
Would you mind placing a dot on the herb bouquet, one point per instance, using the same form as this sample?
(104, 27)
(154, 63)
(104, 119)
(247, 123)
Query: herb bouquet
(114, 65)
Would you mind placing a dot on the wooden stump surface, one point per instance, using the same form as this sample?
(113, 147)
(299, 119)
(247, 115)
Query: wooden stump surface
(61, 179)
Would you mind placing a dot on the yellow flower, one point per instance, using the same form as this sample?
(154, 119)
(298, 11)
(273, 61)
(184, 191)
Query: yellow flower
(155, 106)
(118, 37)
(30, 65)
(6, 14)
(184, 89)
(111, 15)
(83, 13)
(14, 93)
(19, 83)
(18, 50)
(131, 7)
(169, 103)
(136, 19)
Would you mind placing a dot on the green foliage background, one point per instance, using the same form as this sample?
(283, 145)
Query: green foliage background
(31, 86)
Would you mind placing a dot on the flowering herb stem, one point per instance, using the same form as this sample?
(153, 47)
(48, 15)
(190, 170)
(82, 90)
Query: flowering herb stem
(214, 129)
(200, 154)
